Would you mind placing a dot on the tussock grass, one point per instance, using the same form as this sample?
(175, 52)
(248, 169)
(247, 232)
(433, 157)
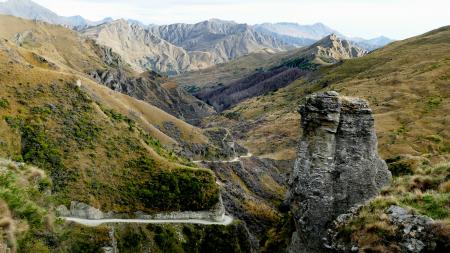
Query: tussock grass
(421, 192)
(261, 210)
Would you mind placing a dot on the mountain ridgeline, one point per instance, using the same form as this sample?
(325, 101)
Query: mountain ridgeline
(178, 48)
(327, 51)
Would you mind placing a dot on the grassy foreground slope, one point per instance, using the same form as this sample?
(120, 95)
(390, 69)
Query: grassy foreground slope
(407, 84)
(93, 153)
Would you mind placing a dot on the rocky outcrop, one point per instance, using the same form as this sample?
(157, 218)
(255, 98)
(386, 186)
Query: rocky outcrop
(413, 233)
(81, 210)
(332, 48)
(337, 167)
(329, 50)
(413, 228)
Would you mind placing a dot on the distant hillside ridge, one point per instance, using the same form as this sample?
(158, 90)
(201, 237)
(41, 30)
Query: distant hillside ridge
(178, 48)
(327, 51)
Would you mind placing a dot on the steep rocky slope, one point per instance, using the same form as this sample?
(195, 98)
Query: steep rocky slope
(156, 90)
(224, 40)
(145, 50)
(82, 141)
(181, 47)
(148, 86)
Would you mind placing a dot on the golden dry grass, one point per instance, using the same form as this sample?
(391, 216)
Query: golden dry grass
(272, 186)
(261, 210)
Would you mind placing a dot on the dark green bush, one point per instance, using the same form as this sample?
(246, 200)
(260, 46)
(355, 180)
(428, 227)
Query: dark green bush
(399, 167)
(181, 189)
(4, 103)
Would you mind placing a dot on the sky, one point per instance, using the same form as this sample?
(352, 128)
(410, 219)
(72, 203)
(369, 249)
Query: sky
(397, 19)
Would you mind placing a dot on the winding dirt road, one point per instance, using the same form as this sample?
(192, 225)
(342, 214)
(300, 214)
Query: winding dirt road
(227, 220)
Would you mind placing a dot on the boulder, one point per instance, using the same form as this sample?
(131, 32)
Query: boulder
(337, 167)
(85, 211)
(413, 228)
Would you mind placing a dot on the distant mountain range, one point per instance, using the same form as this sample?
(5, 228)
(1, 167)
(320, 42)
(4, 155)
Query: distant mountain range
(30, 10)
(177, 48)
(305, 35)
(181, 47)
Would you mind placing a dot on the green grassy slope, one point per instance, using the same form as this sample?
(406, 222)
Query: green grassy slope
(93, 153)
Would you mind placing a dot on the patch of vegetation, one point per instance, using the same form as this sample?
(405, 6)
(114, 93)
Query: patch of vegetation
(192, 89)
(232, 115)
(433, 103)
(401, 130)
(183, 238)
(302, 63)
(4, 103)
(277, 238)
(26, 205)
(116, 116)
(38, 149)
(399, 167)
(181, 189)
(260, 210)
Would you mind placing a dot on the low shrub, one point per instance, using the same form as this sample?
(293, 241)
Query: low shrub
(4, 103)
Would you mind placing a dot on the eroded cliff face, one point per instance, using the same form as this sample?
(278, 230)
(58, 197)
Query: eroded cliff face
(337, 166)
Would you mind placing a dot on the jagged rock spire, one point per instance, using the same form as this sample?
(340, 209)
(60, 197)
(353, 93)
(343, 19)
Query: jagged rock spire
(337, 166)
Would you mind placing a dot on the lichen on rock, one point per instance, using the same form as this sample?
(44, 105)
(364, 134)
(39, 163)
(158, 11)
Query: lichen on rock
(337, 167)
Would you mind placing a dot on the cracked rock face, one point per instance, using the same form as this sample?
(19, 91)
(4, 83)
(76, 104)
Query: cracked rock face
(337, 166)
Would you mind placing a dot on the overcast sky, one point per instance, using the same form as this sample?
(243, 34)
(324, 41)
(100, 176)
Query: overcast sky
(397, 19)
